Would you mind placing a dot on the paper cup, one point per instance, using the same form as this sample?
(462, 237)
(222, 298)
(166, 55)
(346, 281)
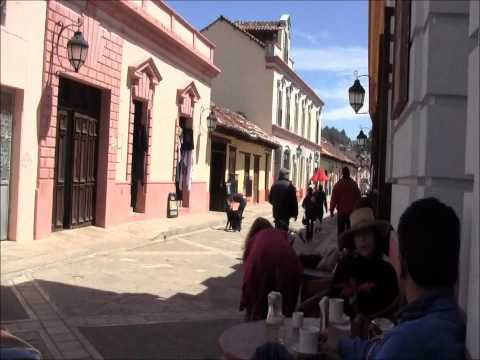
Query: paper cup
(335, 310)
(297, 320)
(308, 343)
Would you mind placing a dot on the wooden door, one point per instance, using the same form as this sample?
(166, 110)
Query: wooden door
(83, 178)
(256, 178)
(75, 170)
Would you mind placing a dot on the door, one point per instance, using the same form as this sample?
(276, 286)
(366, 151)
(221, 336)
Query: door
(76, 156)
(140, 147)
(6, 119)
(256, 178)
(217, 176)
(267, 175)
(247, 181)
(75, 170)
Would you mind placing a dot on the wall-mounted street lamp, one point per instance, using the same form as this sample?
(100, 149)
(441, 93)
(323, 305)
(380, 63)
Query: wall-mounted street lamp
(77, 46)
(356, 94)
(211, 122)
(299, 151)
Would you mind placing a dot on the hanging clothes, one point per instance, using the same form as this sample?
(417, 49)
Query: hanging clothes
(187, 143)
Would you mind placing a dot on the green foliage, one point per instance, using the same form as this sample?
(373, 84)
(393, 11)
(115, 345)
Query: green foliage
(335, 136)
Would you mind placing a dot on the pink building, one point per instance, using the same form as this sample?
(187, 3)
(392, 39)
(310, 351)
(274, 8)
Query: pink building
(107, 144)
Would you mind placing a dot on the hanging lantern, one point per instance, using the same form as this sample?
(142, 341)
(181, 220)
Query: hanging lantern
(211, 121)
(77, 50)
(356, 95)
(361, 138)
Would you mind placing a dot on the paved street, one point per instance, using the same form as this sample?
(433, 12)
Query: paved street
(162, 298)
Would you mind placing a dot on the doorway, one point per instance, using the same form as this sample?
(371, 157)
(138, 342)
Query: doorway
(76, 155)
(6, 126)
(217, 176)
(267, 175)
(139, 150)
(256, 178)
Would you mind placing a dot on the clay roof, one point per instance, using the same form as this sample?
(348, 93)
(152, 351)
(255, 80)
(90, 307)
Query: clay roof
(330, 150)
(237, 124)
(260, 25)
(246, 33)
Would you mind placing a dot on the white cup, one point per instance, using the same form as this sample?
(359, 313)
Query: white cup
(297, 320)
(308, 343)
(335, 310)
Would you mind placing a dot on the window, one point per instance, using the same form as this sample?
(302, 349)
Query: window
(297, 97)
(287, 104)
(401, 51)
(279, 103)
(3, 11)
(286, 158)
(285, 47)
(247, 182)
(304, 110)
(309, 126)
(317, 130)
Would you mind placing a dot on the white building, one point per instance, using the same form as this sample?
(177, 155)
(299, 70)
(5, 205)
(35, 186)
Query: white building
(431, 119)
(258, 80)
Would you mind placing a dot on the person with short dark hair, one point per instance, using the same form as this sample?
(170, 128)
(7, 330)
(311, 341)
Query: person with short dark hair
(234, 217)
(344, 196)
(310, 205)
(283, 197)
(430, 326)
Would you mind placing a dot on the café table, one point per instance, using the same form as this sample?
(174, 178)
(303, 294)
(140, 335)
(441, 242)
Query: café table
(240, 341)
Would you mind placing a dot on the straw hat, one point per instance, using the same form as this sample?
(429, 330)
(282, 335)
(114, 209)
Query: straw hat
(361, 219)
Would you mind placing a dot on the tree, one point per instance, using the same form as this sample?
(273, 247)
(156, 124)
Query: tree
(335, 136)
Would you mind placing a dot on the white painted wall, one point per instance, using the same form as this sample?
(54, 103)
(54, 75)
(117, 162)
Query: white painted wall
(244, 84)
(21, 66)
(434, 145)
(164, 116)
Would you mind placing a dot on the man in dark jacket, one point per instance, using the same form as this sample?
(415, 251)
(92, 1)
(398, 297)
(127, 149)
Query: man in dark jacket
(345, 195)
(283, 197)
(430, 326)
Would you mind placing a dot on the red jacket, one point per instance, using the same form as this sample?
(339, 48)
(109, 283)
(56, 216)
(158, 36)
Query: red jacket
(271, 265)
(344, 196)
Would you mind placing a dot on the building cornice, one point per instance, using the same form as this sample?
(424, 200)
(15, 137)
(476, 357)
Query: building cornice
(297, 139)
(276, 63)
(138, 20)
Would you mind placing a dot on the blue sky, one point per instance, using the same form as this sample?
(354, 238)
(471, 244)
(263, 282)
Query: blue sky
(329, 42)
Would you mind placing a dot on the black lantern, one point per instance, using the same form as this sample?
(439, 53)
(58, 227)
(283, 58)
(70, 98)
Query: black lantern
(361, 138)
(77, 49)
(316, 157)
(211, 121)
(299, 151)
(356, 95)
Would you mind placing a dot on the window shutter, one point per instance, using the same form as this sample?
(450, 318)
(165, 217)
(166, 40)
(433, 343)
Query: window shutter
(401, 56)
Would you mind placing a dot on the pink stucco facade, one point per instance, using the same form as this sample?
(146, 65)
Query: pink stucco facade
(145, 72)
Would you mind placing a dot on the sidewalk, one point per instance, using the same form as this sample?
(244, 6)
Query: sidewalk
(70, 245)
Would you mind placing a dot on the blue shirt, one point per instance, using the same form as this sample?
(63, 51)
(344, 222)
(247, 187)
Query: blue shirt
(429, 328)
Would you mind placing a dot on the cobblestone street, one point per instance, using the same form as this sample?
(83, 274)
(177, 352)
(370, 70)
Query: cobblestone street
(164, 298)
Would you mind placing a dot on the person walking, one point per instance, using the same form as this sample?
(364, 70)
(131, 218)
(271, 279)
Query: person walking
(283, 197)
(321, 201)
(344, 196)
(310, 205)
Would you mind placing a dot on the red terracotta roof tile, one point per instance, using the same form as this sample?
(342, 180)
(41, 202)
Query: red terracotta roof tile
(238, 123)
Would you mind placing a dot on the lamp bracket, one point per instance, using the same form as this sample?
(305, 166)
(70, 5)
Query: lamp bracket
(63, 27)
